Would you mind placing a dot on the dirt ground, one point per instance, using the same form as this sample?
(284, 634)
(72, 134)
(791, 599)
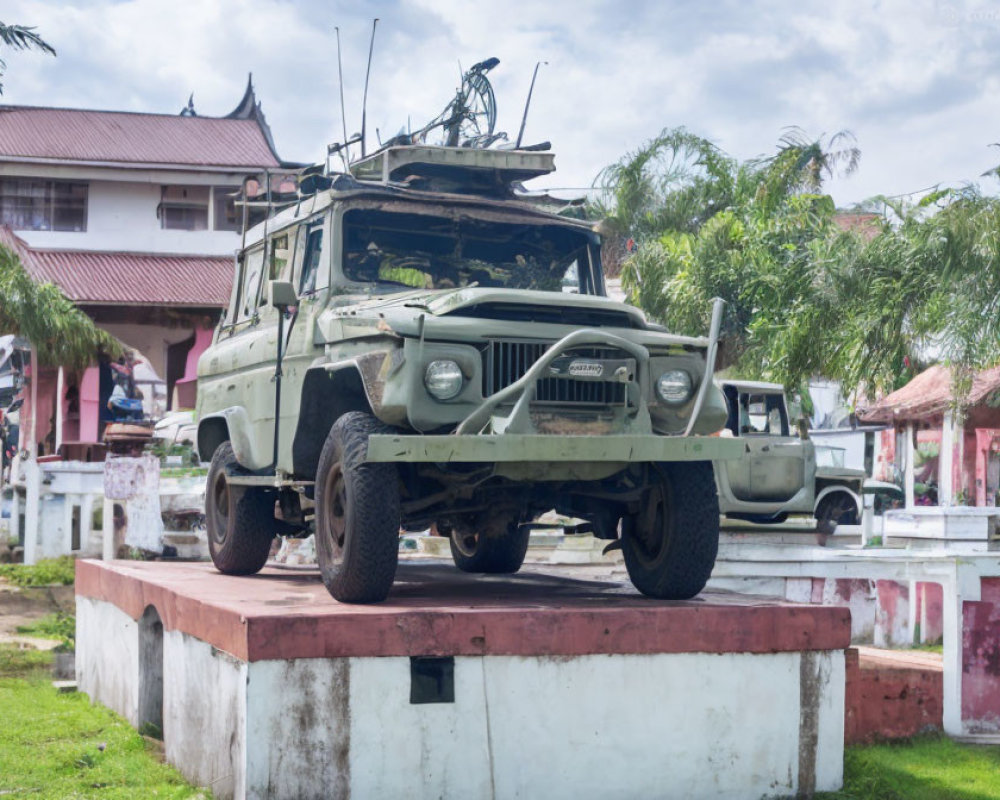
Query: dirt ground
(20, 606)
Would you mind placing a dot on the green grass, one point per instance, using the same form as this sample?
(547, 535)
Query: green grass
(46, 572)
(53, 626)
(924, 768)
(15, 661)
(55, 746)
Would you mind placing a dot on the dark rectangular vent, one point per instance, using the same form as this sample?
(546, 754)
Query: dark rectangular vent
(504, 362)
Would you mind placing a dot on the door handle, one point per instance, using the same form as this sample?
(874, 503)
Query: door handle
(766, 448)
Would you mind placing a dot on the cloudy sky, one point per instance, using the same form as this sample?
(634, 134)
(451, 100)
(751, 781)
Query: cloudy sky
(916, 81)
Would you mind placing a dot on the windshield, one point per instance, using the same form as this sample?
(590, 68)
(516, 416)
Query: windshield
(399, 251)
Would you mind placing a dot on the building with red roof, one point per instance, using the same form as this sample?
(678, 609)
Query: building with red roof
(133, 216)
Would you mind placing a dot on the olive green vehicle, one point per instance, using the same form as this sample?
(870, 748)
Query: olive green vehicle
(439, 352)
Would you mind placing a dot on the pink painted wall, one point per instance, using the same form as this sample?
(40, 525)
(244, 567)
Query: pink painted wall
(90, 385)
(981, 660)
(929, 611)
(185, 390)
(892, 615)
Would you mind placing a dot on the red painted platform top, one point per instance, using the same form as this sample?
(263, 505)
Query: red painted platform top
(436, 610)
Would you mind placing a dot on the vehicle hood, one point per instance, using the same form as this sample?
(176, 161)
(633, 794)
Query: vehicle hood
(454, 301)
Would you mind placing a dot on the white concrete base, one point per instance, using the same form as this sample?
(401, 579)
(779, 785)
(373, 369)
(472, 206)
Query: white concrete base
(685, 725)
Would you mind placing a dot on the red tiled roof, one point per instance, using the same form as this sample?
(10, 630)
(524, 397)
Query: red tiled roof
(927, 394)
(130, 138)
(133, 279)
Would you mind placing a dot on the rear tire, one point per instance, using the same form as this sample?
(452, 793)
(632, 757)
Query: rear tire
(477, 552)
(239, 520)
(357, 513)
(837, 508)
(671, 544)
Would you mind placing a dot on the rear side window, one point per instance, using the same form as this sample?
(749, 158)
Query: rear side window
(314, 275)
(253, 267)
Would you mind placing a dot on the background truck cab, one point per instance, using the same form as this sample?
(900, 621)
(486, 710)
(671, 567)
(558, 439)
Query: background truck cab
(777, 473)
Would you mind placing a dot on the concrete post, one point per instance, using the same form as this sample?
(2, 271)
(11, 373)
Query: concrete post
(15, 514)
(69, 500)
(86, 521)
(909, 452)
(108, 530)
(60, 390)
(946, 477)
(31, 500)
(951, 640)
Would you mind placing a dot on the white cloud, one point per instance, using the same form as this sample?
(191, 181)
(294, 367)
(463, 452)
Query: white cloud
(913, 80)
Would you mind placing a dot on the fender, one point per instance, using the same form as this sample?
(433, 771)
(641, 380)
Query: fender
(233, 424)
(838, 487)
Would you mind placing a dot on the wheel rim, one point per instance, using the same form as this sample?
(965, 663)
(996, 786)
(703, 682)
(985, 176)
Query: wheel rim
(835, 510)
(466, 543)
(220, 508)
(334, 516)
(652, 529)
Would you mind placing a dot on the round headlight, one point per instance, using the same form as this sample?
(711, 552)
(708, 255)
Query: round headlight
(674, 387)
(443, 379)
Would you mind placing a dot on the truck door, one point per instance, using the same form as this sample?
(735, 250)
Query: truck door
(737, 469)
(777, 460)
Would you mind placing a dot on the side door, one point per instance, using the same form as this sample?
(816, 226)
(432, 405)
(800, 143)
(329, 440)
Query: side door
(254, 343)
(778, 460)
(737, 470)
(309, 270)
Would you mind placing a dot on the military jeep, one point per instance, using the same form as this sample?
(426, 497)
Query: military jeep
(439, 352)
(780, 471)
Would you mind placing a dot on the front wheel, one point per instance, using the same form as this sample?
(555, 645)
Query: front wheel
(357, 513)
(497, 554)
(671, 544)
(239, 520)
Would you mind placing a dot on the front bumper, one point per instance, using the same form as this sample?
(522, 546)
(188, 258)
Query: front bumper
(540, 448)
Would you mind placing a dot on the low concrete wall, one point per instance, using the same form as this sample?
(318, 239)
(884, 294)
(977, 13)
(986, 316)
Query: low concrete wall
(690, 725)
(341, 715)
(107, 656)
(891, 696)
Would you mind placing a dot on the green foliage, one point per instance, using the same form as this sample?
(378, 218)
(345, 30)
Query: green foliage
(19, 37)
(46, 572)
(44, 316)
(924, 768)
(804, 296)
(757, 234)
(53, 626)
(54, 746)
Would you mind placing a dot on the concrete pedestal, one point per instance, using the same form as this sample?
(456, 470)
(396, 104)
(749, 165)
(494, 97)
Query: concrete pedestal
(465, 686)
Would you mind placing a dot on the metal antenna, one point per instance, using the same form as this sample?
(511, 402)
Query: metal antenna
(368, 72)
(343, 113)
(527, 103)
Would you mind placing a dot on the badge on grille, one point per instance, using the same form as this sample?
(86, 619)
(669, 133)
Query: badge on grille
(589, 369)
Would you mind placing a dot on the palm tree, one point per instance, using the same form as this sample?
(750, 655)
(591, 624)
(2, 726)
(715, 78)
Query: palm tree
(39, 312)
(19, 37)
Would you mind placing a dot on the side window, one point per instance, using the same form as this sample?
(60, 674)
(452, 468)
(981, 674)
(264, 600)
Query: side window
(278, 263)
(763, 413)
(250, 289)
(314, 276)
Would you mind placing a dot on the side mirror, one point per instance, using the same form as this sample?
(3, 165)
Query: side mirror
(281, 294)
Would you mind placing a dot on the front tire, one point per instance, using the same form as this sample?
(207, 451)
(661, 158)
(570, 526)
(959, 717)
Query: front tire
(357, 513)
(671, 544)
(477, 552)
(239, 520)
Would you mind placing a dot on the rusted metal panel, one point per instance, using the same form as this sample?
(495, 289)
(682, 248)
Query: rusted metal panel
(533, 447)
(123, 137)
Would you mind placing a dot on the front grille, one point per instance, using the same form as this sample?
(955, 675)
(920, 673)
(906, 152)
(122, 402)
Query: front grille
(506, 361)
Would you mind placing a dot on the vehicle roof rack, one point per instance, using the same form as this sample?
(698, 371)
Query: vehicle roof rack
(461, 170)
